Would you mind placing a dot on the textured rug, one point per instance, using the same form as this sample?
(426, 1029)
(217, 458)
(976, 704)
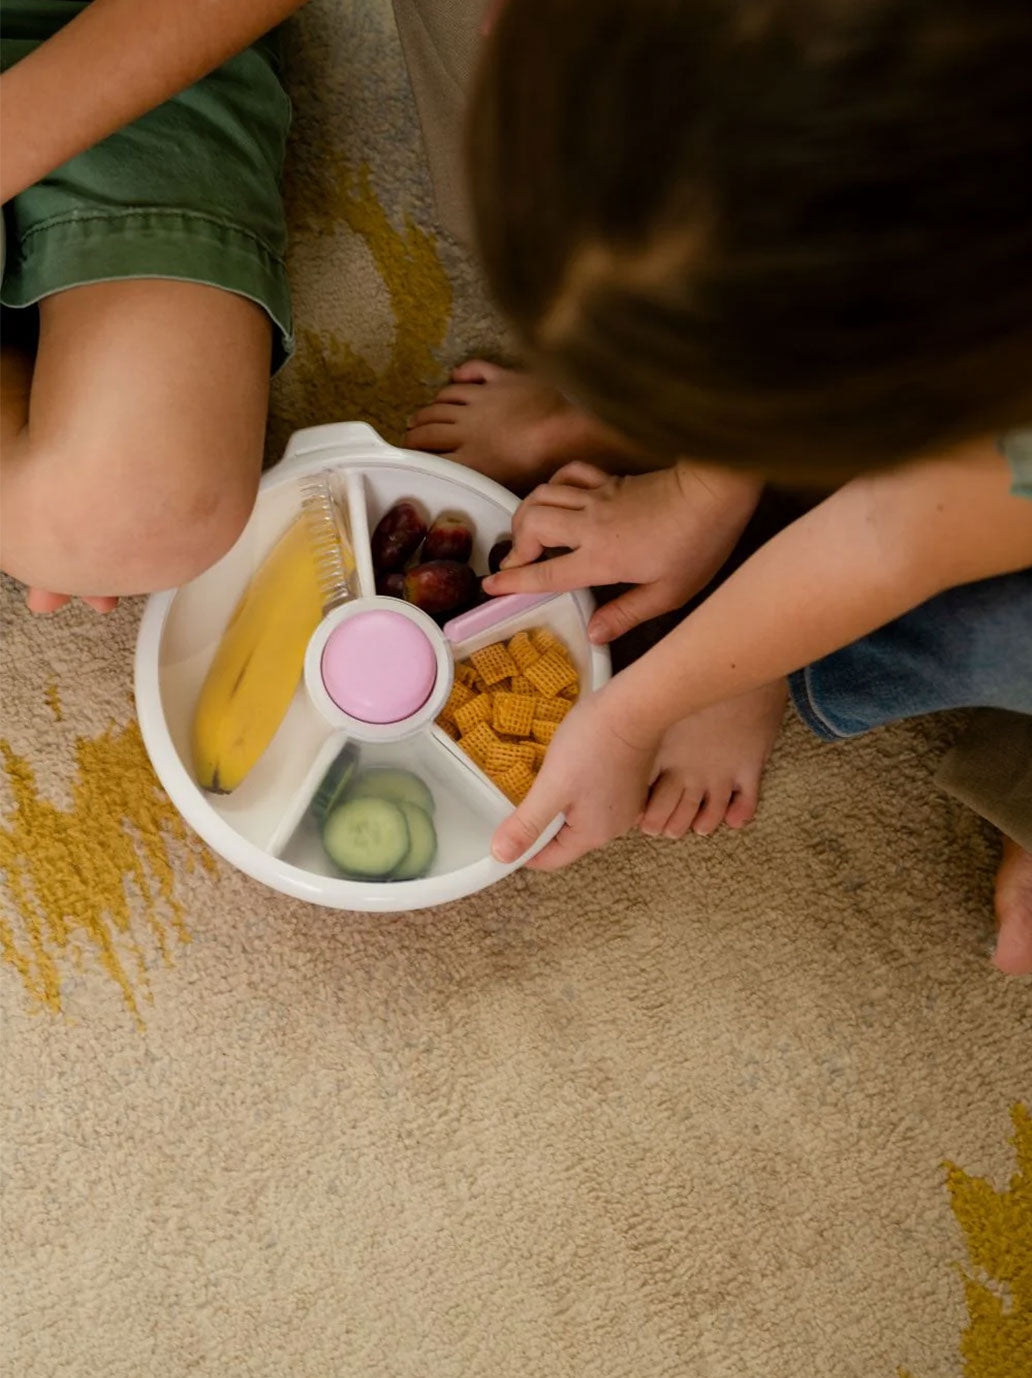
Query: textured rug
(753, 1107)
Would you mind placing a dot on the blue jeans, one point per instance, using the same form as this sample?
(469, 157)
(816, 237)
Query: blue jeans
(968, 647)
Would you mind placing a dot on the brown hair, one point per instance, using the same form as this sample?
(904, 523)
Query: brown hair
(789, 234)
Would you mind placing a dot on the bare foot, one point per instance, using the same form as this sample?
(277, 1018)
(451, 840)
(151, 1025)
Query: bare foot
(1014, 910)
(512, 427)
(710, 765)
(42, 601)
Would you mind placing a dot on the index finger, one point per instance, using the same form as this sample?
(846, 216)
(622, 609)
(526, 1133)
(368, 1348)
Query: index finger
(558, 575)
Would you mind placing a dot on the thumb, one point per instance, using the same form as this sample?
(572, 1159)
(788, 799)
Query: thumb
(522, 829)
(637, 605)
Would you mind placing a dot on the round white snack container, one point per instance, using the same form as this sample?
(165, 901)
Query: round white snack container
(263, 827)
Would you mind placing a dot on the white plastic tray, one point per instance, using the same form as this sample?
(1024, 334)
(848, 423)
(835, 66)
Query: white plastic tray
(262, 827)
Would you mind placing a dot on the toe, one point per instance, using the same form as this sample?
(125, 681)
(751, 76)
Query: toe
(100, 604)
(681, 819)
(742, 808)
(1014, 911)
(712, 810)
(663, 800)
(477, 371)
(443, 412)
(438, 439)
(43, 601)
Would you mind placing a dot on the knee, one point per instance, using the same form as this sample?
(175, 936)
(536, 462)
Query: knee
(164, 531)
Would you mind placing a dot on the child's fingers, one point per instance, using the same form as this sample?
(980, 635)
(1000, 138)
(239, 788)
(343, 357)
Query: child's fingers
(579, 474)
(101, 604)
(522, 829)
(618, 617)
(554, 494)
(559, 575)
(537, 529)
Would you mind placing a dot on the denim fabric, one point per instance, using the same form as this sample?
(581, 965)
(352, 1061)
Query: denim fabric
(968, 647)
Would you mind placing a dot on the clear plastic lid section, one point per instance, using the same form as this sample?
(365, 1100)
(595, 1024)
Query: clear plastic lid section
(464, 809)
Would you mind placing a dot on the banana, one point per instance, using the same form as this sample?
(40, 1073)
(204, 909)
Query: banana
(258, 663)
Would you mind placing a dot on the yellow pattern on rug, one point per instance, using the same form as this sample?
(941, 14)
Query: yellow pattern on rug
(67, 869)
(329, 377)
(997, 1227)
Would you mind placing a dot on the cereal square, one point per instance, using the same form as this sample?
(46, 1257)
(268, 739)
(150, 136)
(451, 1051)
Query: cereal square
(515, 783)
(477, 743)
(513, 713)
(502, 757)
(551, 673)
(544, 731)
(479, 709)
(539, 750)
(544, 640)
(520, 684)
(449, 727)
(460, 694)
(523, 650)
(571, 692)
(465, 674)
(551, 710)
(494, 663)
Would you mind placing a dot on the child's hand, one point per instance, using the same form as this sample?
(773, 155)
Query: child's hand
(666, 532)
(595, 774)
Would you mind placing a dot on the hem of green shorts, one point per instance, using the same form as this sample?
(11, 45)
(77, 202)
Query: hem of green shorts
(184, 246)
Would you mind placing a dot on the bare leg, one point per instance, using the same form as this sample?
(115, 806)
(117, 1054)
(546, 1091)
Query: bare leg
(514, 428)
(1014, 910)
(709, 765)
(136, 464)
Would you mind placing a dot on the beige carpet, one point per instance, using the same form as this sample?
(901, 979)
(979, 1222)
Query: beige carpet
(686, 1111)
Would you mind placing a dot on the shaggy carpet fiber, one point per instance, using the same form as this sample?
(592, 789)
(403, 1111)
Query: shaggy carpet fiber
(752, 1107)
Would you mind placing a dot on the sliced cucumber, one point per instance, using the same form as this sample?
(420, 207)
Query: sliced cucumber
(334, 783)
(366, 838)
(422, 844)
(399, 786)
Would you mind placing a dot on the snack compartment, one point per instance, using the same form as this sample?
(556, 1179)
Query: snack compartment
(421, 774)
(489, 519)
(513, 687)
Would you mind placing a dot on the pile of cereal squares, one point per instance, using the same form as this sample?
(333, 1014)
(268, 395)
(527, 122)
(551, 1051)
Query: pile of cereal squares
(506, 704)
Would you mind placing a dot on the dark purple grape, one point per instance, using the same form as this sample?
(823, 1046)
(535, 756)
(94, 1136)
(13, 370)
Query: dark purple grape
(391, 585)
(440, 586)
(499, 551)
(450, 538)
(398, 535)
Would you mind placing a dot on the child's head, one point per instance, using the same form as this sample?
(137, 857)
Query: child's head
(789, 234)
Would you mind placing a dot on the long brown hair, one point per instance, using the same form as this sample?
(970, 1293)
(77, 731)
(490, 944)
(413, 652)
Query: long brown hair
(789, 234)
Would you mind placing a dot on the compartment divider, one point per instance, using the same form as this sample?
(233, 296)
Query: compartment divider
(485, 786)
(358, 522)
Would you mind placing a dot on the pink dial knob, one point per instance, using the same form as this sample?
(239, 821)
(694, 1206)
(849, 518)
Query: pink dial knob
(379, 667)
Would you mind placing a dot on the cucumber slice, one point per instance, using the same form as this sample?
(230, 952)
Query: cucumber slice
(334, 783)
(399, 786)
(422, 844)
(366, 838)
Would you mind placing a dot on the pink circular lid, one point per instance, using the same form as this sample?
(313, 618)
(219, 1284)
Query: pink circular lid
(379, 667)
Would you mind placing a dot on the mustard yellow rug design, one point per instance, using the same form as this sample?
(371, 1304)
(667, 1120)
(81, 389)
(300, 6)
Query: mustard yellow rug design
(93, 881)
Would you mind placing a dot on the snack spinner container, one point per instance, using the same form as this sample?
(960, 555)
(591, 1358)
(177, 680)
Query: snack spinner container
(377, 672)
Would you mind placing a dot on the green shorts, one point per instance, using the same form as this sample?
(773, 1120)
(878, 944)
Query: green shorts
(189, 191)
